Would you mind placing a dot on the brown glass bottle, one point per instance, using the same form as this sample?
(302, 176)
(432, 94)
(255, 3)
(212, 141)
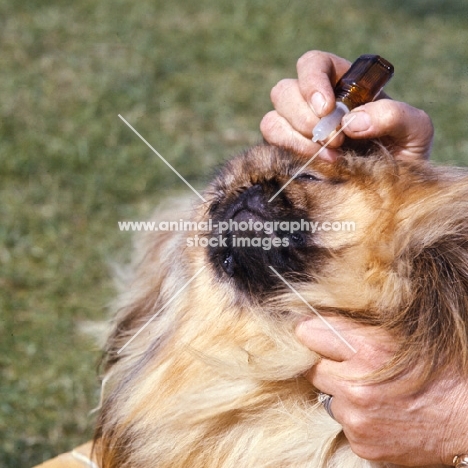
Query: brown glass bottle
(360, 84)
(363, 81)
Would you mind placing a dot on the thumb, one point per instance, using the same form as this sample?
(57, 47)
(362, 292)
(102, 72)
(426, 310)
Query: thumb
(408, 131)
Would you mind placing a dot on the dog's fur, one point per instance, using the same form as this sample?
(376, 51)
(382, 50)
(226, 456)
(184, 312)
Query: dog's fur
(215, 379)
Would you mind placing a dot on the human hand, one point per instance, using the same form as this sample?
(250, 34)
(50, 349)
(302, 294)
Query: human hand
(300, 103)
(402, 421)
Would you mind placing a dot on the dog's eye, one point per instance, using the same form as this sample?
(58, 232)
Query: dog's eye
(213, 207)
(307, 176)
(297, 239)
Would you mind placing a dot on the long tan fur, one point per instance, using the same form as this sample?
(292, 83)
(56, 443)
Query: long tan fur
(215, 379)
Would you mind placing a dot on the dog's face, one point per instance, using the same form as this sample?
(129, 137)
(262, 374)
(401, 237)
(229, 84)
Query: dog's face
(272, 209)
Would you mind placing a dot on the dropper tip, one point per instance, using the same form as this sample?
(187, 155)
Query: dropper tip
(328, 124)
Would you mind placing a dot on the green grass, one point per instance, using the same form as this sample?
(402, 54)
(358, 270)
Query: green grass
(194, 79)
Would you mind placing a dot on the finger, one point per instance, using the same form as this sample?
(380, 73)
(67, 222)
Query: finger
(340, 378)
(277, 131)
(318, 73)
(289, 103)
(327, 337)
(409, 129)
(325, 376)
(323, 381)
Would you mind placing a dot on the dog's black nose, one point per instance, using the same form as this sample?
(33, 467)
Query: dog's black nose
(253, 201)
(255, 197)
(254, 234)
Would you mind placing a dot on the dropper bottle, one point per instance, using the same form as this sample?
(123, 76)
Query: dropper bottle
(360, 84)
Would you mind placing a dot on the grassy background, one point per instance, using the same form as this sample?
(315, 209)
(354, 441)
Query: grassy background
(194, 79)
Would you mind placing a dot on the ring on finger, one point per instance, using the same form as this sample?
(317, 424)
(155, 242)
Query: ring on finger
(326, 401)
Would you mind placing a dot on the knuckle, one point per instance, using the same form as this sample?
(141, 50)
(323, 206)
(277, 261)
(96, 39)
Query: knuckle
(280, 88)
(426, 123)
(361, 395)
(367, 452)
(304, 123)
(391, 115)
(394, 114)
(356, 426)
(268, 125)
(310, 56)
(359, 432)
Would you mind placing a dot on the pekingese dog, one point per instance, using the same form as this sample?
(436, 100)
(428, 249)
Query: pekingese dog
(203, 369)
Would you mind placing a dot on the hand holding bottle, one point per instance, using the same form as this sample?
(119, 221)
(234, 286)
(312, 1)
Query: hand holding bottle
(300, 103)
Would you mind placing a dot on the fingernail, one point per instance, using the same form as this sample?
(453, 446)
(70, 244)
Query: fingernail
(318, 103)
(357, 121)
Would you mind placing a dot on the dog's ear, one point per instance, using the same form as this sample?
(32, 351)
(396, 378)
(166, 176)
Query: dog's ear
(434, 321)
(438, 313)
